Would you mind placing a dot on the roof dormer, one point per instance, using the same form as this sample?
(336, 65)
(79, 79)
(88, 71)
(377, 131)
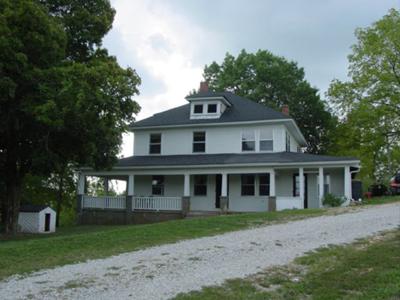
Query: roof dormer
(206, 104)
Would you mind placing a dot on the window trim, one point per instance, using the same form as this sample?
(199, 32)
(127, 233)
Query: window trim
(212, 104)
(287, 141)
(154, 144)
(199, 142)
(161, 185)
(264, 184)
(265, 140)
(253, 141)
(253, 185)
(198, 105)
(203, 185)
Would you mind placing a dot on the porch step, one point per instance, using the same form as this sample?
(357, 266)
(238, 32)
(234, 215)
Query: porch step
(199, 214)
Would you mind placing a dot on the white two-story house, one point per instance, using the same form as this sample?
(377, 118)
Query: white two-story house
(222, 152)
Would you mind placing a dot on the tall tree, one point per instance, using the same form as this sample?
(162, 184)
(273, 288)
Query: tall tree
(64, 101)
(274, 81)
(369, 102)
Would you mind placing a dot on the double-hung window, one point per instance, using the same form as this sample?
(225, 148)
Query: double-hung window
(157, 185)
(199, 142)
(198, 109)
(155, 143)
(248, 185)
(266, 140)
(248, 140)
(200, 185)
(263, 184)
(212, 108)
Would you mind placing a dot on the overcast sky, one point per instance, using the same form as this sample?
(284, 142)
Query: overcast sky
(169, 42)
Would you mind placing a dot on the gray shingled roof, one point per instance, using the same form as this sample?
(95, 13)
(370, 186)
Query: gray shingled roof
(227, 159)
(241, 110)
(32, 207)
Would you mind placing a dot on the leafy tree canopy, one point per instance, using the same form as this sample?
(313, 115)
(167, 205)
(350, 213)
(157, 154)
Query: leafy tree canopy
(369, 102)
(274, 81)
(64, 101)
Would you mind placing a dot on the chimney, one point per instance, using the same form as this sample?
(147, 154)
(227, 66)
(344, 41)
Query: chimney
(285, 109)
(203, 87)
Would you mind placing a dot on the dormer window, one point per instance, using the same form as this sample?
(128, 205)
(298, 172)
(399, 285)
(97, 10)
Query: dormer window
(198, 108)
(212, 108)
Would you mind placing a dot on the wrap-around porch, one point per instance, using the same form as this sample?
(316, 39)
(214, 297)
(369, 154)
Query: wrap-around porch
(233, 190)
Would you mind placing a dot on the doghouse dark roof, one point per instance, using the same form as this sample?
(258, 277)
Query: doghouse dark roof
(32, 208)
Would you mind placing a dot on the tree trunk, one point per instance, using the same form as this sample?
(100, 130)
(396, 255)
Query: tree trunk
(59, 198)
(13, 195)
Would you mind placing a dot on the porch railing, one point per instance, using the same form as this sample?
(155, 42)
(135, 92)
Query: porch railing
(104, 202)
(157, 203)
(289, 203)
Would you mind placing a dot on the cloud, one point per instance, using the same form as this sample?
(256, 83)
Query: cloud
(169, 42)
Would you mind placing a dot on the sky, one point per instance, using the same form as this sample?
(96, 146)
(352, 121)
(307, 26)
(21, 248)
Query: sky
(168, 42)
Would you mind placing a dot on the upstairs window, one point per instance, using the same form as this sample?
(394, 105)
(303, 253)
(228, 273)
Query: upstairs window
(200, 185)
(157, 185)
(198, 109)
(248, 185)
(199, 142)
(266, 140)
(212, 108)
(155, 143)
(287, 142)
(264, 184)
(248, 140)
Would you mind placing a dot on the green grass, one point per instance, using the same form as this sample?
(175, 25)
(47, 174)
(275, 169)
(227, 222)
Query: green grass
(381, 200)
(368, 269)
(29, 253)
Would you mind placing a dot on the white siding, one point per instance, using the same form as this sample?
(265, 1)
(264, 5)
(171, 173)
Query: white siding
(240, 203)
(219, 139)
(203, 203)
(42, 217)
(173, 185)
(34, 222)
(28, 222)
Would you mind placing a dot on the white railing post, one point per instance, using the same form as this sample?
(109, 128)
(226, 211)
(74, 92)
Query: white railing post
(347, 183)
(301, 182)
(272, 191)
(321, 185)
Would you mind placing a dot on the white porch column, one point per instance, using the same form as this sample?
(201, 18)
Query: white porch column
(301, 182)
(131, 185)
(186, 186)
(81, 184)
(321, 185)
(272, 191)
(347, 183)
(224, 185)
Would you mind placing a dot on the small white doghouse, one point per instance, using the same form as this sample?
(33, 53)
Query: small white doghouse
(37, 219)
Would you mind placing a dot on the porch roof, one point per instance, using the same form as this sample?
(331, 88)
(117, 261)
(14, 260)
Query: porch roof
(278, 158)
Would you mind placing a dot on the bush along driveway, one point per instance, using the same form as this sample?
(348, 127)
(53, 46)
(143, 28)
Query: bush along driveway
(165, 271)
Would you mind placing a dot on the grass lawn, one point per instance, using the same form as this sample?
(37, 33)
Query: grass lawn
(27, 253)
(367, 269)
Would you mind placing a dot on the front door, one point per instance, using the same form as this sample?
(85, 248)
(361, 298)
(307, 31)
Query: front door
(47, 218)
(296, 188)
(218, 185)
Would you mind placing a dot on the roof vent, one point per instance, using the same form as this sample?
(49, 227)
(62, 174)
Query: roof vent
(203, 87)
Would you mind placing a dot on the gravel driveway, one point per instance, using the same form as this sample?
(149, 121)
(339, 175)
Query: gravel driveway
(164, 271)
